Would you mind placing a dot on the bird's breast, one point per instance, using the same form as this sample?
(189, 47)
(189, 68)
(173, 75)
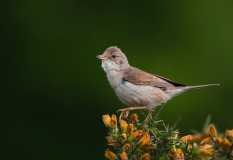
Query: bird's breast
(140, 95)
(135, 95)
(114, 78)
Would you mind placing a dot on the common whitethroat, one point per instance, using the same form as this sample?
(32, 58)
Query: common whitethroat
(136, 88)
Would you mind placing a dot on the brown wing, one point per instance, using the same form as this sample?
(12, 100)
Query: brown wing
(139, 77)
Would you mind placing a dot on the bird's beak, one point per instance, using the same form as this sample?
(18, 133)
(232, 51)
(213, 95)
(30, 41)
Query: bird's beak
(101, 57)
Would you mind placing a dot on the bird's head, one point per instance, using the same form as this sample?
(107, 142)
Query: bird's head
(113, 59)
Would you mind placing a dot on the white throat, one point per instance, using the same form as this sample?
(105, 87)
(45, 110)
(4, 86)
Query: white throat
(109, 65)
(114, 73)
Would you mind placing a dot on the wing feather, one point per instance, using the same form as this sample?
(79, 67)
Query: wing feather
(139, 77)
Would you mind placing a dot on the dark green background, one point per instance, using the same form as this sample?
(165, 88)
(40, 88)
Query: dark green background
(54, 90)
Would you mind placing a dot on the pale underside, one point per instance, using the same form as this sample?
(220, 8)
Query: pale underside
(134, 92)
(140, 95)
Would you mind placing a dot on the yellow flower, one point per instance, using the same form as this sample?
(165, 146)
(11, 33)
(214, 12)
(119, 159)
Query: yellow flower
(107, 120)
(123, 124)
(137, 134)
(124, 136)
(187, 138)
(219, 140)
(113, 120)
(123, 156)
(212, 131)
(226, 143)
(176, 154)
(146, 156)
(206, 150)
(130, 128)
(126, 147)
(145, 140)
(191, 138)
(223, 142)
(134, 118)
(110, 155)
(206, 141)
(229, 134)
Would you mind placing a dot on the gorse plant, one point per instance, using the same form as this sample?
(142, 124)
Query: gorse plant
(129, 138)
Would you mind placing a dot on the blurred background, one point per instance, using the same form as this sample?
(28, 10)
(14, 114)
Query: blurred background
(54, 90)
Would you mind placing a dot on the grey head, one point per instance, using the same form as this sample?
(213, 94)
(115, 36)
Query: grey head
(113, 59)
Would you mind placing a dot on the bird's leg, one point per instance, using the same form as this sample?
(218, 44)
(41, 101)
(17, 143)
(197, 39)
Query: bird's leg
(124, 115)
(125, 111)
(131, 109)
(149, 116)
(161, 107)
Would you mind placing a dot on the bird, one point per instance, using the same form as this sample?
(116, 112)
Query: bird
(138, 89)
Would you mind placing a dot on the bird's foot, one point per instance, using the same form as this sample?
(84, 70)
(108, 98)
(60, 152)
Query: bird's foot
(124, 114)
(125, 111)
(131, 109)
(149, 117)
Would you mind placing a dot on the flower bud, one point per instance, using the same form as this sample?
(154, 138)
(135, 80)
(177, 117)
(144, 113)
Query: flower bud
(134, 118)
(146, 156)
(123, 156)
(223, 142)
(124, 136)
(145, 139)
(206, 150)
(212, 131)
(126, 147)
(176, 154)
(113, 120)
(123, 124)
(106, 120)
(226, 143)
(229, 134)
(110, 155)
(137, 134)
(206, 141)
(130, 128)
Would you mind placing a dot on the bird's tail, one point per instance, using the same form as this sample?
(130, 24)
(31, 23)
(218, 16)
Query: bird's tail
(183, 89)
(199, 86)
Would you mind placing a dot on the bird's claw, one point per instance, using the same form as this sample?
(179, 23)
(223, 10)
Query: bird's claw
(124, 114)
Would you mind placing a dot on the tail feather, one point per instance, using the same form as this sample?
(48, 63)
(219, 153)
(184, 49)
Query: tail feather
(200, 86)
(182, 89)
